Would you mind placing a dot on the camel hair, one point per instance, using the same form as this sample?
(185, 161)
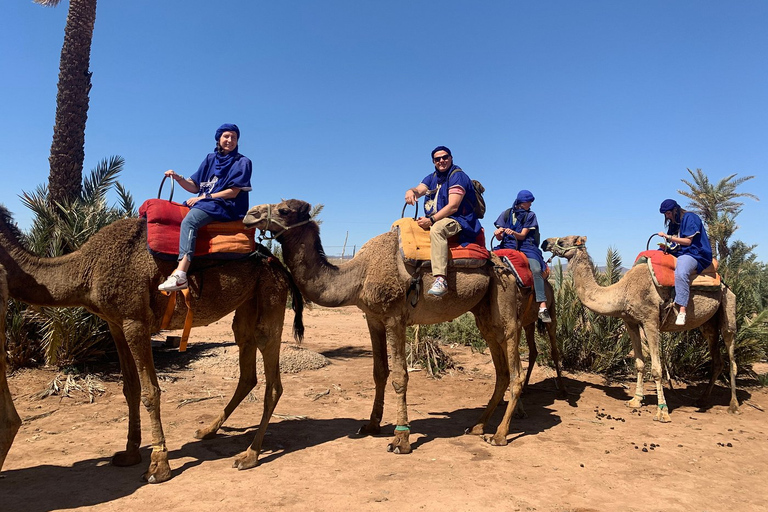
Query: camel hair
(377, 281)
(114, 276)
(9, 419)
(643, 305)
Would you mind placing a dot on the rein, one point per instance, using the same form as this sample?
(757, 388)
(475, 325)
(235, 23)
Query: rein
(270, 221)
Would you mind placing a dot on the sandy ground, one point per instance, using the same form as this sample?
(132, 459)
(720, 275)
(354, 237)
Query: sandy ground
(587, 453)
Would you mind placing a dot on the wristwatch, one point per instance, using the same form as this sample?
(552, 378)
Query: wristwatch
(432, 219)
(208, 195)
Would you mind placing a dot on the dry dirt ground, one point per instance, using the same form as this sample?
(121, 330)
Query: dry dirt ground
(587, 453)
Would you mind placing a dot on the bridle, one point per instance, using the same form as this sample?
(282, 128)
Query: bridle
(283, 227)
(563, 248)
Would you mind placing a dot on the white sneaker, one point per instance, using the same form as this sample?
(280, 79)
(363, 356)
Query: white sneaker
(680, 320)
(439, 287)
(544, 316)
(174, 283)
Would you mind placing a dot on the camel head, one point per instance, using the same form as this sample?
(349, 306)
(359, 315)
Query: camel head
(565, 247)
(280, 217)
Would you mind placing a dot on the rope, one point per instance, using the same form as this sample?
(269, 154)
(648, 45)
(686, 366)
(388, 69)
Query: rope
(270, 221)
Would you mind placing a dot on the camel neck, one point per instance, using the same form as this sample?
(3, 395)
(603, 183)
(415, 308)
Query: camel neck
(319, 280)
(603, 300)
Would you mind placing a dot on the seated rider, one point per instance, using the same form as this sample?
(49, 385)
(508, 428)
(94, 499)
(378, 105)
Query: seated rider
(518, 229)
(448, 209)
(221, 183)
(689, 242)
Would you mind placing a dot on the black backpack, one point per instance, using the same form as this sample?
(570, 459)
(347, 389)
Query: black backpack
(479, 206)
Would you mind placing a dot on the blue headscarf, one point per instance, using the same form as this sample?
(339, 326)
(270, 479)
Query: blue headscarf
(667, 205)
(223, 163)
(524, 196)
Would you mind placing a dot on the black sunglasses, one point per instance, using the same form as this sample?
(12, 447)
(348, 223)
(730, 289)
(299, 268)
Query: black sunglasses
(443, 158)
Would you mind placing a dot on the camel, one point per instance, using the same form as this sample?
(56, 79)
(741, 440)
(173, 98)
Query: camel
(642, 305)
(114, 276)
(377, 281)
(9, 419)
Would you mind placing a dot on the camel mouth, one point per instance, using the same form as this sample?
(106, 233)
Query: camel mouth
(252, 217)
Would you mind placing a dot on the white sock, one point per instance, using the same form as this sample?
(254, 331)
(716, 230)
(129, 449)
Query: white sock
(180, 274)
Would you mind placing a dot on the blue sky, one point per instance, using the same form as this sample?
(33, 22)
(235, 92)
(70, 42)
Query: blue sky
(597, 107)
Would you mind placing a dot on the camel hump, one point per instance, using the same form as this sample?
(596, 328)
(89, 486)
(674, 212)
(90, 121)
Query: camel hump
(662, 268)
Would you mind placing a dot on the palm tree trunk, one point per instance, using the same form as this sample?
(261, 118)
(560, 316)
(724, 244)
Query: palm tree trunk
(68, 147)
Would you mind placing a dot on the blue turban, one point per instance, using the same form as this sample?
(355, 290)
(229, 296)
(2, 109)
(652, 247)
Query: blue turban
(227, 127)
(524, 196)
(667, 205)
(440, 148)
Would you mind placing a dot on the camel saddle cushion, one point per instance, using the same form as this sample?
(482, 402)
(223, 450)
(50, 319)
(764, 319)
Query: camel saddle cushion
(662, 267)
(216, 240)
(414, 246)
(517, 262)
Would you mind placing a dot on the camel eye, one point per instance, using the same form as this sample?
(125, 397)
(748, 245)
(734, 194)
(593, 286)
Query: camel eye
(283, 211)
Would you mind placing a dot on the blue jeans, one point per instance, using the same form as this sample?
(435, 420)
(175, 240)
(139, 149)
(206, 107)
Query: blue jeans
(538, 280)
(195, 219)
(685, 270)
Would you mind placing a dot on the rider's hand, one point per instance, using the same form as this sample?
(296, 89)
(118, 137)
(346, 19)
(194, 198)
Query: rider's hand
(410, 197)
(424, 222)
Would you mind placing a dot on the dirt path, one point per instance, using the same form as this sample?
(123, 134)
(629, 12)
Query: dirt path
(586, 453)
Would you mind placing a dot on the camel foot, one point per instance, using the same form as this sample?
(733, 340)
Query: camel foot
(495, 440)
(370, 429)
(126, 458)
(400, 444)
(205, 433)
(562, 394)
(477, 430)
(246, 460)
(734, 407)
(635, 403)
(159, 470)
(662, 416)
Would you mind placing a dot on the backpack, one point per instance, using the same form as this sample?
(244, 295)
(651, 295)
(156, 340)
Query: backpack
(479, 206)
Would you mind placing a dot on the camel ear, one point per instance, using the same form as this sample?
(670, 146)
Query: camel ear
(305, 209)
(582, 240)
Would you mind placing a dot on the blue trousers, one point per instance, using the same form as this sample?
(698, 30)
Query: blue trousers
(684, 271)
(195, 219)
(538, 280)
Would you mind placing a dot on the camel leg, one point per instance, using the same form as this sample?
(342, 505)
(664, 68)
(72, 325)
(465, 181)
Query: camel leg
(138, 338)
(9, 418)
(533, 351)
(269, 331)
(637, 348)
(378, 335)
(710, 330)
(652, 335)
(551, 327)
(498, 354)
(132, 392)
(727, 314)
(517, 380)
(396, 337)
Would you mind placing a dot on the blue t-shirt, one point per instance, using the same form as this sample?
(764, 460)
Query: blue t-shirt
(692, 227)
(517, 219)
(235, 173)
(437, 198)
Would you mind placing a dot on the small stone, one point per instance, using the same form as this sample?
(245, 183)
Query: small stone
(645, 450)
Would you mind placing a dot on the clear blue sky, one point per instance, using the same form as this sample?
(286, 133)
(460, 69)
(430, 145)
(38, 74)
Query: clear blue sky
(598, 107)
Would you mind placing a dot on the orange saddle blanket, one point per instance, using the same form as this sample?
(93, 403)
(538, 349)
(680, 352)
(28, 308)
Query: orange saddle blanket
(414, 246)
(218, 239)
(662, 267)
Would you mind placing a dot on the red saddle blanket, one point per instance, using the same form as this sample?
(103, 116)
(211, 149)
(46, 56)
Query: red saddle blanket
(414, 246)
(518, 262)
(217, 239)
(662, 267)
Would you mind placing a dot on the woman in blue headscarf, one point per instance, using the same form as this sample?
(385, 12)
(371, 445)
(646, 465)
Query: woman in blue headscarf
(689, 242)
(221, 183)
(518, 229)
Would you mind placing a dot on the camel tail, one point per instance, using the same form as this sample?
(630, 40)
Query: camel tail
(297, 303)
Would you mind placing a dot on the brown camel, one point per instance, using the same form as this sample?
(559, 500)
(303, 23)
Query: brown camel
(115, 277)
(9, 418)
(642, 305)
(377, 281)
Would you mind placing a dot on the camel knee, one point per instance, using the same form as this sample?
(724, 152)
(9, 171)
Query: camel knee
(656, 374)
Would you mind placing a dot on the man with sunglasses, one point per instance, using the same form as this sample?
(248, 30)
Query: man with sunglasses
(448, 211)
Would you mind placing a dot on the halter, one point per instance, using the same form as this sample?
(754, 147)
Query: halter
(270, 221)
(564, 248)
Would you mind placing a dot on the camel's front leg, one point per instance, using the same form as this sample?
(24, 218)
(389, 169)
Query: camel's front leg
(517, 380)
(652, 335)
(272, 392)
(380, 374)
(137, 336)
(500, 366)
(396, 330)
(9, 418)
(637, 348)
(727, 314)
(132, 392)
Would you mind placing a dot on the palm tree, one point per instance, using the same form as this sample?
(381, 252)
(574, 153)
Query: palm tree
(68, 146)
(717, 205)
